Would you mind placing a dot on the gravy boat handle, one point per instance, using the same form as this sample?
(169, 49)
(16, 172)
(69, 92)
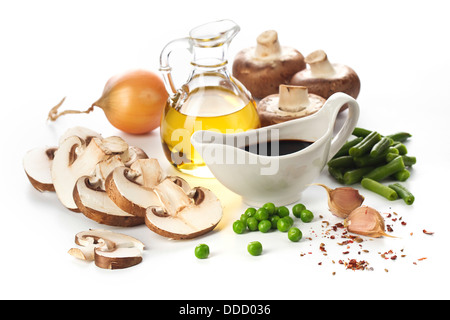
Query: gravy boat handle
(338, 100)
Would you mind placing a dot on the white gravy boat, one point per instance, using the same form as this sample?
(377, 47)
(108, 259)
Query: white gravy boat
(278, 179)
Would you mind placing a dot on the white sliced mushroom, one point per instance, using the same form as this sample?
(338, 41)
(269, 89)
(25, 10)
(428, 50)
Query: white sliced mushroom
(109, 250)
(132, 190)
(132, 155)
(37, 164)
(90, 196)
(183, 215)
(73, 160)
(85, 134)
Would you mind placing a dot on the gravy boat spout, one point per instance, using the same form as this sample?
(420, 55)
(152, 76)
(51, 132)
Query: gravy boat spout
(260, 177)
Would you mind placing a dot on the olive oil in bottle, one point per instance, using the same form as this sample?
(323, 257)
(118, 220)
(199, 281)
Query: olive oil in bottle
(206, 108)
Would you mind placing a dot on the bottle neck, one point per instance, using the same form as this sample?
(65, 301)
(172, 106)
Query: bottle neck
(210, 57)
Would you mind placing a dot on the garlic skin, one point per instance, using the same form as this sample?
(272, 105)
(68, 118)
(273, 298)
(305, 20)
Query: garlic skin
(342, 201)
(366, 221)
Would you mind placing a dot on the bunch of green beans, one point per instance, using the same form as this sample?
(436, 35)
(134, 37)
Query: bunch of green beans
(370, 158)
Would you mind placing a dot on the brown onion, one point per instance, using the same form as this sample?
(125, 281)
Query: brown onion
(133, 102)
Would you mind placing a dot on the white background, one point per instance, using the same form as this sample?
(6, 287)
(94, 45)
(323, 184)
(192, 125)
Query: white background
(52, 49)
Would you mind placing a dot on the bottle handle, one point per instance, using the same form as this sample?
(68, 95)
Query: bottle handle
(166, 69)
(338, 100)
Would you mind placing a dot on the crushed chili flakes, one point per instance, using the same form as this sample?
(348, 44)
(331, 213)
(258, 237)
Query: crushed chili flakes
(428, 232)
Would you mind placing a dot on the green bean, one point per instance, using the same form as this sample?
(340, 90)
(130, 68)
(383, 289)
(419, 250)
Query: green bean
(386, 170)
(360, 132)
(403, 193)
(400, 136)
(380, 146)
(365, 145)
(401, 148)
(393, 151)
(402, 175)
(355, 175)
(342, 162)
(367, 160)
(407, 160)
(344, 149)
(337, 174)
(379, 188)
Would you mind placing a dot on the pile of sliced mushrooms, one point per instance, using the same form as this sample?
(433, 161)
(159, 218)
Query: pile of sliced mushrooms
(116, 184)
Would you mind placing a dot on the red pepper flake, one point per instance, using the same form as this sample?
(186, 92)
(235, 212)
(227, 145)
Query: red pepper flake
(346, 252)
(353, 264)
(428, 232)
(421, 259)
(394, 257)
(389, 228)
(403, 223)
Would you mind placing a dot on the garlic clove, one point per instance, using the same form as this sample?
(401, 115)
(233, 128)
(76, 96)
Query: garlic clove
(342, 201)
(366, 221)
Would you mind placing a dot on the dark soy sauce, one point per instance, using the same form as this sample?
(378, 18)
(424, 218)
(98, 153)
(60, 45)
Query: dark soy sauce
(285, 147)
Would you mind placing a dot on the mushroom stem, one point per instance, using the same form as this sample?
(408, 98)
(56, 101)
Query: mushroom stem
(319, 64)
(267, 45)
(293, 98)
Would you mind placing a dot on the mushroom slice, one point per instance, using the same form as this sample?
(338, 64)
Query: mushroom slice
(292, 102)
(263, 68)
(90, 196)
(324, 78)
(150, 172)
(85, 134)
(73, 160)
(109, 250)
(115, 144)
(132, 155)
(132, 190)
(37, 164)
(183, 215)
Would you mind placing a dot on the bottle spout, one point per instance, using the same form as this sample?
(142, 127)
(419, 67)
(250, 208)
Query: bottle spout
(213, 34)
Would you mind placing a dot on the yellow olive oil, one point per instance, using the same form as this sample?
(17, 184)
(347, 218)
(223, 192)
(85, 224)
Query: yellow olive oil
(206, 108)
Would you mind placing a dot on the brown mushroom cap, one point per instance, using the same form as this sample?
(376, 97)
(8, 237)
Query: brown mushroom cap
(271, 109)
(325, 79)
(263, 68)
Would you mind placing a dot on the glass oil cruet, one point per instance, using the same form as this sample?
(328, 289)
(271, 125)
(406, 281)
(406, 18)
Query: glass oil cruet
(211, 99)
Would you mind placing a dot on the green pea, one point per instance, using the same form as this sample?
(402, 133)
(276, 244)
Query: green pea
(306, 216)
(283, 224)
(270, 207)
(274, 219)
(254, 248)
(202, 251)
(262, 214)
(290, 220)
(244, 218)
(282, 211)
(264, 226)
(297, 209)
(238, 226)
(252, 224)
(294, 234)
(250, 212)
